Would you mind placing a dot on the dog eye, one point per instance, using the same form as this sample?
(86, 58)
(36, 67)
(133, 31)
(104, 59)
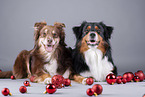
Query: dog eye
(55, 35)
(86, 32)
(44, 34)
(98, 31)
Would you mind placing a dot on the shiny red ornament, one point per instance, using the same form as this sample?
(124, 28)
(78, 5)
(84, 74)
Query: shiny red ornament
(67, 82)
(97, 89)
(32, 78)
(118, 81)
(124, 80)
(50, 88)
(13, 77)
(90, 92)
(140, 74)
(6, 91)
(0, 70)
(119, 77)
(128, 76)
(58, 81)
(89, 81)
(140, 71)
(26, 83)
(111, 79)
(23, 89)
(136, 79)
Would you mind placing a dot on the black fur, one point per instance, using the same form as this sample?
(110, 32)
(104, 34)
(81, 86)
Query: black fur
(79, 64)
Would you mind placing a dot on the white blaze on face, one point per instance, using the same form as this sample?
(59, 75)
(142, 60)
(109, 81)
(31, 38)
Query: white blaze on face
(49, 43)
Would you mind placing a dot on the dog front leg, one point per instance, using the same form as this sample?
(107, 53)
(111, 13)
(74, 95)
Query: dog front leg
(44, 78)
(80, 79)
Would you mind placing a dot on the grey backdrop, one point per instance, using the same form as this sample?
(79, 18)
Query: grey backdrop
(17, 18)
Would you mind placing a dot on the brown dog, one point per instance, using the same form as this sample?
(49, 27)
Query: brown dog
(48, 57)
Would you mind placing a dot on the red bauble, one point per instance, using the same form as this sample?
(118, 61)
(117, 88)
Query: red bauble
(136, 79)
(58, 81)
(6, 91)
(26, 83)
(140, 71)
(128, 76)
(23, 89)
(89, 81)
(50, 88)
(13, 77)
(97, 89)
(119, 77)
(111, 79)
(124, 80)
(32, 78)
(67, 82)
(140, 75)
(118, 81)
(90, 92)
(0, 70)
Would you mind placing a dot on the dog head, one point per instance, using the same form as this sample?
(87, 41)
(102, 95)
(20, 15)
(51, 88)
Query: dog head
(92, 35)
(49, 37)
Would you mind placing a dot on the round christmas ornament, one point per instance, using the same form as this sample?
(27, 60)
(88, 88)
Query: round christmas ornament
(140, 71)
(50, 88)
(89, 81)
(58, 81)
(6, 91)
(32, 78)
(26, 83)
(118, 81)
(90, 92)
(97, 89)
(136, 79)
(111, 79)
(140, 74)
(124, 80)
(67, 82)
(119, 77)
(23, 89)
(0, 70)
(13, 77)
(128, 76)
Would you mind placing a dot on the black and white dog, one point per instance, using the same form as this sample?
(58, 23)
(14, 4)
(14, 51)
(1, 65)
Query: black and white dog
(92, 54)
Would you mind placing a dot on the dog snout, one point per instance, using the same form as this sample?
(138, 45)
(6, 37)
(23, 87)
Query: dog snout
(92, 35)
(49, 41)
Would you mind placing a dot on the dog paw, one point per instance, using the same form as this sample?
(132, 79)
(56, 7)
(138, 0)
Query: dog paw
(47, 81)
(84, 81)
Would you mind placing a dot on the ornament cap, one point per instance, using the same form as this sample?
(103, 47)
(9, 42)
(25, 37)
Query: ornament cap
(10, 94)
(45, 92)
(95, 94)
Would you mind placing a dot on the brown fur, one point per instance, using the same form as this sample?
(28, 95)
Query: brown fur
(84, 47)
(31, 63)
(102, 45)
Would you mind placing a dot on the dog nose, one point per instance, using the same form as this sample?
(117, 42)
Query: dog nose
(49, 40)
(92, 35)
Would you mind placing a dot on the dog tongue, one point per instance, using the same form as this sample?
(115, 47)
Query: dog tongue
(49, 48)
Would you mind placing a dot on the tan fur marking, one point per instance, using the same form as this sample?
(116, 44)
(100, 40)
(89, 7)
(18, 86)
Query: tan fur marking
(42, 78)
(84, 46)
(102, 45)
(78, 78)
(96, 27)
(89, 27)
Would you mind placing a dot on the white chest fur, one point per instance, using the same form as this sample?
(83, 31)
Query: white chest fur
(51, 67)
(99, 67)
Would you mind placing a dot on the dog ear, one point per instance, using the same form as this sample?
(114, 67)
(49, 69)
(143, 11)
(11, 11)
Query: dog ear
(78, 30)
(60, 27)
(37, 27)
(108, 30)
